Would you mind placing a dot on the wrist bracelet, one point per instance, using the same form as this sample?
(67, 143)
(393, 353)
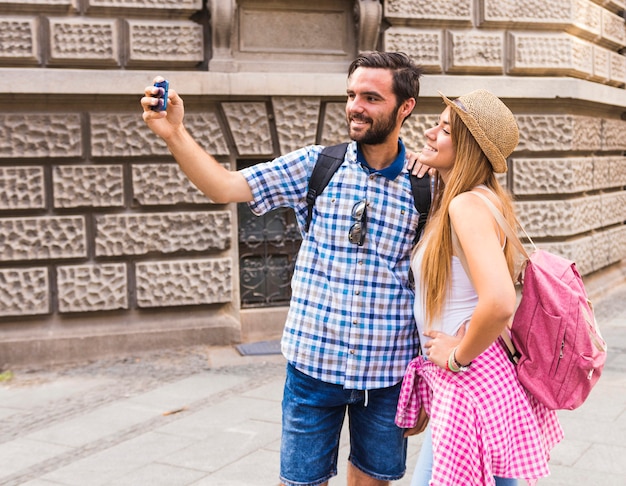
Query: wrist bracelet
(451, 365)
(457, 365)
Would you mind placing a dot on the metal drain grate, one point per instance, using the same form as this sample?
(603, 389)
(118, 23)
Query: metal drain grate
(260, 347)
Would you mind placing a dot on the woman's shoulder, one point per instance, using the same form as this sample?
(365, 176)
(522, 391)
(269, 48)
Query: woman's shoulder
(473, 200)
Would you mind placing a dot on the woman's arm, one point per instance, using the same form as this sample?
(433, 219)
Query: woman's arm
(479, 236)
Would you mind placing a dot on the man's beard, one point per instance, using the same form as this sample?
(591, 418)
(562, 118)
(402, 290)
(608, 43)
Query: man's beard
(378, 132)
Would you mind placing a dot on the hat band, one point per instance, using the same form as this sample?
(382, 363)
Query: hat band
(460, 105)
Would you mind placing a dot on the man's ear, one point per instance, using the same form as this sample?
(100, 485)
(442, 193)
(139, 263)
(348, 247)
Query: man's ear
(407, 107)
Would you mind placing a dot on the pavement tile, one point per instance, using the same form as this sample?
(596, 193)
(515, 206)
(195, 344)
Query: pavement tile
(174, 396)
(156, 474)
(227, 445)
(100, 423)
(22, 453)
(118, 460)
(25, 398)
(202, 423)
(564, 476)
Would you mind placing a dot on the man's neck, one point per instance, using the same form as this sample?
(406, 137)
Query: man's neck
(380, 156)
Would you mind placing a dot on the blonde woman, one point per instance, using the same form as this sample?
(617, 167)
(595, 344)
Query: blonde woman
(482, 423)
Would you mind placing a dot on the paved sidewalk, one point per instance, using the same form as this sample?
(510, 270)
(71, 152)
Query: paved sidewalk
(208, 416)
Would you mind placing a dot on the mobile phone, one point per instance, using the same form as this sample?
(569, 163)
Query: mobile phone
(162, 96)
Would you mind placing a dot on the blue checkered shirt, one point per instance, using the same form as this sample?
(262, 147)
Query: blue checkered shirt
(350, 319)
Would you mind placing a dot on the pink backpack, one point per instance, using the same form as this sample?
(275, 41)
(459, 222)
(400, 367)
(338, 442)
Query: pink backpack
(556, 342)
(555, 333)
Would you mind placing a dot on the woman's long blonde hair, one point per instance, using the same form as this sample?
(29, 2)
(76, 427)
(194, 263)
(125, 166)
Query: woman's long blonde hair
(471, 168)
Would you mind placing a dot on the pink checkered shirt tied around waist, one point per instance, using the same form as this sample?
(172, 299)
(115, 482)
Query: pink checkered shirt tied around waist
(483, 421)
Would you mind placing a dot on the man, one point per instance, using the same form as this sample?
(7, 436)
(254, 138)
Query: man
(350, 331)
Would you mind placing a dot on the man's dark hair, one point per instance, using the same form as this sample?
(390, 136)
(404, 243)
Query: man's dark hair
(406, 74)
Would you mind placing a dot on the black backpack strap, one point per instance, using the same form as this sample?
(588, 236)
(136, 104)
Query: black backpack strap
(327, 164)
(421, 197)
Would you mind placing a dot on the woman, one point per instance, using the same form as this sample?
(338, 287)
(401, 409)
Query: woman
(483, 423)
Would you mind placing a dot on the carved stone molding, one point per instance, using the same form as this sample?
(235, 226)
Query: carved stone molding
(222, 25)
(368, 16)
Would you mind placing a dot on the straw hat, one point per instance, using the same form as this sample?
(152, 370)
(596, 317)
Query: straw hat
(491, 123)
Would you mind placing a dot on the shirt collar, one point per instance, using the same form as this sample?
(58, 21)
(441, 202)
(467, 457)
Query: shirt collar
(390, 172)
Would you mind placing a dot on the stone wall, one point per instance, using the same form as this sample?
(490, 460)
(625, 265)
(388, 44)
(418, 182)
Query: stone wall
(104, 245)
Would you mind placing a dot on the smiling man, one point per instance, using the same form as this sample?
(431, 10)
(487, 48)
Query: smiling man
(350, 331)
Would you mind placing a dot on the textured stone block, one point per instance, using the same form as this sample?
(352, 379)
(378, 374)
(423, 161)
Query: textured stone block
(616, 242)
(552, 176)
(608, 246)
(550, 54)
(250, 127)
(90, 288)
(126, 135)
(40, 135)
(334, 125)
(587, 16)
(88, 185)
(475, 52)
(602, 173)
(527, 12)
(83, 40)
(422, 45)
(617, 171)
(613, 29)
(563, 217)
(601, 64)
(42, 238)
(68, 5)
(165, 42)
(184, 282)
(563, 133)
(24, 291)
(414, 127)
(411, 10)
(613, 208)
(614, 134)
(609, 172)
(567, 217)
(19, 41)
(164, 184)
(618, 69)
(22, 188)
(147, 4)
(139, 234)
(583, 251)
(293, 121)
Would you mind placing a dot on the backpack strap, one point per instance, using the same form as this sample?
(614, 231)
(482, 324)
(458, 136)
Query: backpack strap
(422, 196)
(327, 164)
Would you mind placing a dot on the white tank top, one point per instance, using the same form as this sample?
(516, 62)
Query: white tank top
(460, 304)
(461, 297)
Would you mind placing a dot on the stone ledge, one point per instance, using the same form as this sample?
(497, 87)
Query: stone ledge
(45, 348)
(117, 83)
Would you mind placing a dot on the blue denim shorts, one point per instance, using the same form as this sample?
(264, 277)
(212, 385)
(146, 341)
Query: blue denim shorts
(313, 414)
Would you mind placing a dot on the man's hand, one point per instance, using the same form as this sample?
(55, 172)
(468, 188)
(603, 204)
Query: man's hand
(422, 422)
(163, 123)
(416, 167)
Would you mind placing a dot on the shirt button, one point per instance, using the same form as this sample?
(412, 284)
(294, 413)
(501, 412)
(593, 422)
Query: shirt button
(402, 212)
(357, 292)
(352, 351)
(355, 322)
